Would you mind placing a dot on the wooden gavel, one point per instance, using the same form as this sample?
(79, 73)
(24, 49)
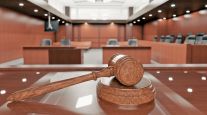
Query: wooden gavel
(126, 70)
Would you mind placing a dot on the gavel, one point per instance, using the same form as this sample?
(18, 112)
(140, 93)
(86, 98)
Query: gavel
(125, 69)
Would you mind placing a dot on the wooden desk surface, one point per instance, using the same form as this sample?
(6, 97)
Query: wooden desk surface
(47, 47)
(171, 96)
(126, 47)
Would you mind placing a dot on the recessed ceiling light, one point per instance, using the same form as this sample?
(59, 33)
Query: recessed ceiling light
(172, 5)
(164, 18)
(45, 14)
(159, 11)
(58, 20)
(143, 18)
(170, 78)
(53, 17)
(203, 78)
(150, 15)
(2, 92)
(24, 80)
(134, 22)
(138, 20)
(35, 10)
(21, 4)
(63, 22)
(189, 90)
(174, 15)
(187, 11)
(206, 5)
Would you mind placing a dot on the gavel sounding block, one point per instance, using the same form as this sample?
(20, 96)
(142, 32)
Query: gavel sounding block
(111, 90)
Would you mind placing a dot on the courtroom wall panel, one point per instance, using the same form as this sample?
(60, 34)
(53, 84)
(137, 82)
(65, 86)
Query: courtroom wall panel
(17, 30)
(196, 23)
(99, 34)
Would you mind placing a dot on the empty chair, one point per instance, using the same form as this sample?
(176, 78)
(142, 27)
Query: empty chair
(133, 42)
(162, 39)
(199, 38)
(169, 39)
(155, 39)
(190, 39)
(179, 39)
(46, 42)
(65, 42)
(112, 42)
(204, 40)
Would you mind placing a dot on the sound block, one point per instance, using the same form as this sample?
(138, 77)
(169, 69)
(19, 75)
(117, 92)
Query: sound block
(111, 90)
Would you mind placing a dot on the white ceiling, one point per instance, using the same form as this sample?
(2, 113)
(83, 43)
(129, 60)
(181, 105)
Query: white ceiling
(112, 3)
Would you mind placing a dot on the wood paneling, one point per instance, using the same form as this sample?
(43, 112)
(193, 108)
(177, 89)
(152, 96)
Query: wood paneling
(99, 34)
(141, 54)
(195, 24)
(170, 53)
(52, 55)
(17, 30)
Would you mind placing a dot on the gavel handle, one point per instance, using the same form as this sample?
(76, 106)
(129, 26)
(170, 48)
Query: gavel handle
(40, 90)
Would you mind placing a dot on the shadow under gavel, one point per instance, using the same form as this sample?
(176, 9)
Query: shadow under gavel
(126, 70)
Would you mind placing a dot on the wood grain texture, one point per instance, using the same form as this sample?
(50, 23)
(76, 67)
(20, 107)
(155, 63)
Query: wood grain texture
(52, 55)
(15, 33)
(112, 91)
(141, 54)
(170, 53)
(126, 70)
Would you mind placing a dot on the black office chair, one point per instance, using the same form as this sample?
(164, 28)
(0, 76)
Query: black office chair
(155, 38)
(162, 38)
(112, 42)
(65, 42)
(190, 39)
(46, 42)
(179, 39)
(169, 39)
(199, 38)
(204, 40)
(133, 42)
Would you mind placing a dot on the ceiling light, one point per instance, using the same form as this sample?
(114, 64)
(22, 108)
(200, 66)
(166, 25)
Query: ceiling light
(187, 11)
(112, 23)
(143, 18)
(53, 17)
(138, 20)
(63, 22)
(206, 6)
(58, 20)
(35, 10)
(170, 78)
(203, 78)
(86, 23)
(45, 14)
(159, 11)
(189, 90)
(172, 5)
(24, 80)
(174, 15)
(21, 4)
(2, 92)
(134, 22)
(150, 15)
(164, 18)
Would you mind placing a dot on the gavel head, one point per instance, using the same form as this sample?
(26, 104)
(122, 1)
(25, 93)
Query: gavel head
(126, 69)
